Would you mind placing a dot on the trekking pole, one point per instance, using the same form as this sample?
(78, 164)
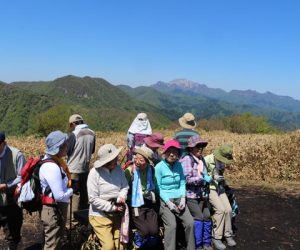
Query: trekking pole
(70, 228)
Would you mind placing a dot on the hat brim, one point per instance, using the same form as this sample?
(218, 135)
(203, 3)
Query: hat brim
(203, 143)
(221, 158)
(141, 152)
(152, 144)
(183, 123)
(101, 162)
(55, 148)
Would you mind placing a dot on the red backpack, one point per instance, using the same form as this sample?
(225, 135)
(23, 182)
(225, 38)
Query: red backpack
(30, 172)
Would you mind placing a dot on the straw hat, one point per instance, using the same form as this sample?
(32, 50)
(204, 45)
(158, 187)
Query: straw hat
(187, 121)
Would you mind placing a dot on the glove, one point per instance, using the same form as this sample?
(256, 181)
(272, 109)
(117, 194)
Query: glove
(219, 178)
(172, 206)
(207, 178)
(182, 204)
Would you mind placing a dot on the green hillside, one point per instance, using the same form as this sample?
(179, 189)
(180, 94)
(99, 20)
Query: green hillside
(40, 107)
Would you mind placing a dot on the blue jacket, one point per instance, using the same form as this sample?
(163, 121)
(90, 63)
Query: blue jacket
(170, 180)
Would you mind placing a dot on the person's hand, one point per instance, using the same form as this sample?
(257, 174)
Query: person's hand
(3, 186)
(119, 208)
(219, 178)
(207, 178)
(121, 200)
(181, 205)
(172, 206)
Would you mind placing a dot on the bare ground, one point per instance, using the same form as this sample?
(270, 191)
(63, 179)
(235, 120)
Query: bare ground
(267, 220)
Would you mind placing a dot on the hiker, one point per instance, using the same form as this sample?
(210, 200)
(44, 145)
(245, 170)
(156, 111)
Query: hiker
(154, 142)
(81, 146)
(188, 125)
(138, 130)
(11, 218)
(171, 187)
(107, 192)
(197, 187)
(142, 200)
(55, 180)
(222, 227)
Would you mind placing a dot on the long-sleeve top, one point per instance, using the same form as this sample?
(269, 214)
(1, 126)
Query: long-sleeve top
(170, 180)
(194, 181)
(81, 146)
(19, 163)
(213, 172)
(54, 177)
(105, 186)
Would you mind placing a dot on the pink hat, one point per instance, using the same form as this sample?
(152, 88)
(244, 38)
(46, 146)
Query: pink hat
(171, 143)
(156, 140)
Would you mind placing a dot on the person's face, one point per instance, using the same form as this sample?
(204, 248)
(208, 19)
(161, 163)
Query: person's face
(2, 145)
(197, 151)
(112, 164)
(172, 155)
(62, 150)
(140, 161)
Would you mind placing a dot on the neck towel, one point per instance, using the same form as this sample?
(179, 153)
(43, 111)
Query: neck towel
(137, 198)
(124, 231)
(201, 167)
(61, 162)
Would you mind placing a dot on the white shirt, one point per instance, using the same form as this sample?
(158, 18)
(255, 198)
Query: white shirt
(51, 175)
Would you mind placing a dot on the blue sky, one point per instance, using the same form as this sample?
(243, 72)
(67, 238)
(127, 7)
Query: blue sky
(229, 44)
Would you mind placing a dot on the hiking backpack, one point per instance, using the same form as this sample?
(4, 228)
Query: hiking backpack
(30, 173)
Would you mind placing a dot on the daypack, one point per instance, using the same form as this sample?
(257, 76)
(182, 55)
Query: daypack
(30, 173)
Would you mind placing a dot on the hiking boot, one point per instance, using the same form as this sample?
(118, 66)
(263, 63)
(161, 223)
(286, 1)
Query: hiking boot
(230, 242)
(207, 247)
(218, 244)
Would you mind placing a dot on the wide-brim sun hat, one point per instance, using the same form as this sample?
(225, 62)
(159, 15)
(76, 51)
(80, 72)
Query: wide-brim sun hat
(187, 121)
(145, 152)
(171, 143)
(195, 140)
(106, 153)
(156, 140)
(54, 140)
(224, 153)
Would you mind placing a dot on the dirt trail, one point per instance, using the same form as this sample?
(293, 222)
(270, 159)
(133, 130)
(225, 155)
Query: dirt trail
(266, 221)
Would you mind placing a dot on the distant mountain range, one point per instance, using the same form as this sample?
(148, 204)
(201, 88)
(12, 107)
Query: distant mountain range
(25, 105)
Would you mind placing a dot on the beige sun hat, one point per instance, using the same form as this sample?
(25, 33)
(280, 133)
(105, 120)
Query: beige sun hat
(187, 121)
(106, 153)
(144, 151)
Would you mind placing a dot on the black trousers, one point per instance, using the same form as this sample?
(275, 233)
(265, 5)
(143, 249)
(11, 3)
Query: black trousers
(147, 220)
(12, 220)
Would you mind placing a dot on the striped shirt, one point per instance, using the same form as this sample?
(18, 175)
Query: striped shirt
(183, 135)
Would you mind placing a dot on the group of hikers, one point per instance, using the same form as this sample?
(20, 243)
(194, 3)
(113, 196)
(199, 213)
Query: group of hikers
(167, 187)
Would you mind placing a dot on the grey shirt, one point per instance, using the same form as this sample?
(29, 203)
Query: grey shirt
(104, 186)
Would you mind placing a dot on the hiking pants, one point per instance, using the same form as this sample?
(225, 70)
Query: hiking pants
(169, 220)
(198, 209)
(12, 222)
(146, 222)
(222, 216)
(54, 222)
(107, 230)
(80, 195)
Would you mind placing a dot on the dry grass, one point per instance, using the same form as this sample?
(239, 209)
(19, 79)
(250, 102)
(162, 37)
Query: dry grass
(268, 158)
